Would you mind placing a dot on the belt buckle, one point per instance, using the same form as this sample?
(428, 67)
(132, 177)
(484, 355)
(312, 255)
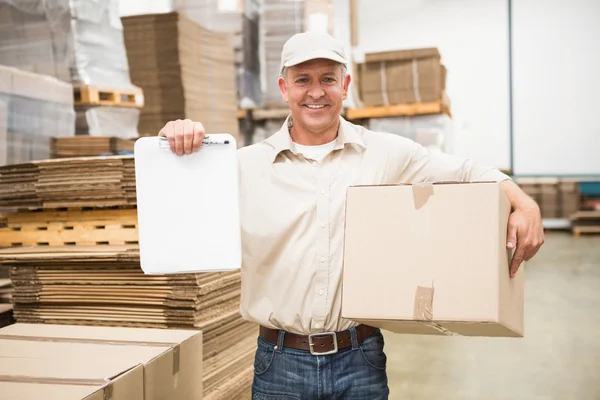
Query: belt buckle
(311, 344)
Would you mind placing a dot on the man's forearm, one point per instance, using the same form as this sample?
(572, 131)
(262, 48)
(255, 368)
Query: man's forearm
(518, 199)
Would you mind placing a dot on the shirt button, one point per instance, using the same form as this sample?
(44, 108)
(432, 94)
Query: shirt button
(322, 191)
(314, 163)
(321, 292)
(317, 326)
(322, 225)
(323, 259)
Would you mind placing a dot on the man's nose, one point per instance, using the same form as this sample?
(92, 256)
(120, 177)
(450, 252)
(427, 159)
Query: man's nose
(316, 91)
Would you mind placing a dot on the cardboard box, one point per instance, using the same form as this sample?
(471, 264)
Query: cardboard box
(168, 362)
(407, 76)
(431, 259)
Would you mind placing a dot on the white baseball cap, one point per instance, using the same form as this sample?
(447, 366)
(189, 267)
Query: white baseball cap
(310, 45)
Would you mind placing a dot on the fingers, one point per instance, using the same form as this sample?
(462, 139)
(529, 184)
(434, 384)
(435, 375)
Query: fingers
(179, 131)
(511, 235)
(517, 259)
(168, 131)
(198, 136)
(185, 136)
(188, 136)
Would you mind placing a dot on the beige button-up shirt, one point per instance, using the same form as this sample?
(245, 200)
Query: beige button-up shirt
(292, 218)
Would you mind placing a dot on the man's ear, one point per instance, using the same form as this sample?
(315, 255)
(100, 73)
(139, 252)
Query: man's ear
(347, 81)
(283, 89)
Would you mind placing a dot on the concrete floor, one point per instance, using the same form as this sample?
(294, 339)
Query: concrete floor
(558, 359)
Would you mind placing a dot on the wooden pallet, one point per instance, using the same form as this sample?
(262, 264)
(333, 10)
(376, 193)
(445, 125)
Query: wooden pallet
(87, 95)
(72, 227)
(399, 110)
(586, 222)
(585, 230)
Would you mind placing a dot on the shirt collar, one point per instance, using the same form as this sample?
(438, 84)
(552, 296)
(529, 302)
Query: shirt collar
(347, 134)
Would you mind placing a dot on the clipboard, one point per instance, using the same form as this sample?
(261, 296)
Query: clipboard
(188, 206)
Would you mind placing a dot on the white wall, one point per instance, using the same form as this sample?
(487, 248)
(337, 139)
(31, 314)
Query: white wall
(472, 36)
(556, 86)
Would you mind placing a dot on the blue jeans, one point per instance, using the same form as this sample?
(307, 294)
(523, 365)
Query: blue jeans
(354, 373)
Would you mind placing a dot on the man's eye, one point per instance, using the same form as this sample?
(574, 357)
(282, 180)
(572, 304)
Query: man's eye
(301, 80)
(329, 80)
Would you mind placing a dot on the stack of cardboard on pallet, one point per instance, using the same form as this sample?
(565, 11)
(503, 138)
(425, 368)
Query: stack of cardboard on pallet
(238, 19)
(81, 266)
(79, 42)
(186, 71)
(93, 363)
(72, 182)
(281, 20)
(89, 146)
(33, 108)
(404, 76)
(557, 197)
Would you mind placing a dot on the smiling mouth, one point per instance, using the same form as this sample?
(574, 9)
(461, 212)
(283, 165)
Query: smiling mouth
(315, 106)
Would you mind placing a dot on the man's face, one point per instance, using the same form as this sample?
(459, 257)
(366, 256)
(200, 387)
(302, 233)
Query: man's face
(315, 92)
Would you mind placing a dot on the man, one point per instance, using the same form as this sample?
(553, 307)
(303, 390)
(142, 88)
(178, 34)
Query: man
(292, 193)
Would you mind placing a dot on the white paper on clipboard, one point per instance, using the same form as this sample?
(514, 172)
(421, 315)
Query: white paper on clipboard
(188, 206)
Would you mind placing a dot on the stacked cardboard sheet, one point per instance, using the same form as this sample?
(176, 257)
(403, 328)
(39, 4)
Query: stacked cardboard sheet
(75, 182)
(105, 286)
(89, 146)
(57, 362)
(186, 71)
(238, 19)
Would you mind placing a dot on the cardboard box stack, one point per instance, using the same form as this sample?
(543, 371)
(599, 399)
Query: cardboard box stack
(403, 76)
(94, 363)
(463, 287)
(77, 42)
(33, 108)
(557, 197)
(186, 71)
(281, 20)
(74, 259)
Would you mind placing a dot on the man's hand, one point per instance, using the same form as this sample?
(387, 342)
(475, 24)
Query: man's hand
(525, 231)
(185, 136)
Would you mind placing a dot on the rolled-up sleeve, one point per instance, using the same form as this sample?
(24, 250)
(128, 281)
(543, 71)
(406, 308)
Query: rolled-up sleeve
(424, 165)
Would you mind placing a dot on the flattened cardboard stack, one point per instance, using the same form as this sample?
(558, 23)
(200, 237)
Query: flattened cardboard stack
(56, 362)
(405, 76)
(185, 71)
(105, 286)
(74, 182)
(66, 269)
(89, 146)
